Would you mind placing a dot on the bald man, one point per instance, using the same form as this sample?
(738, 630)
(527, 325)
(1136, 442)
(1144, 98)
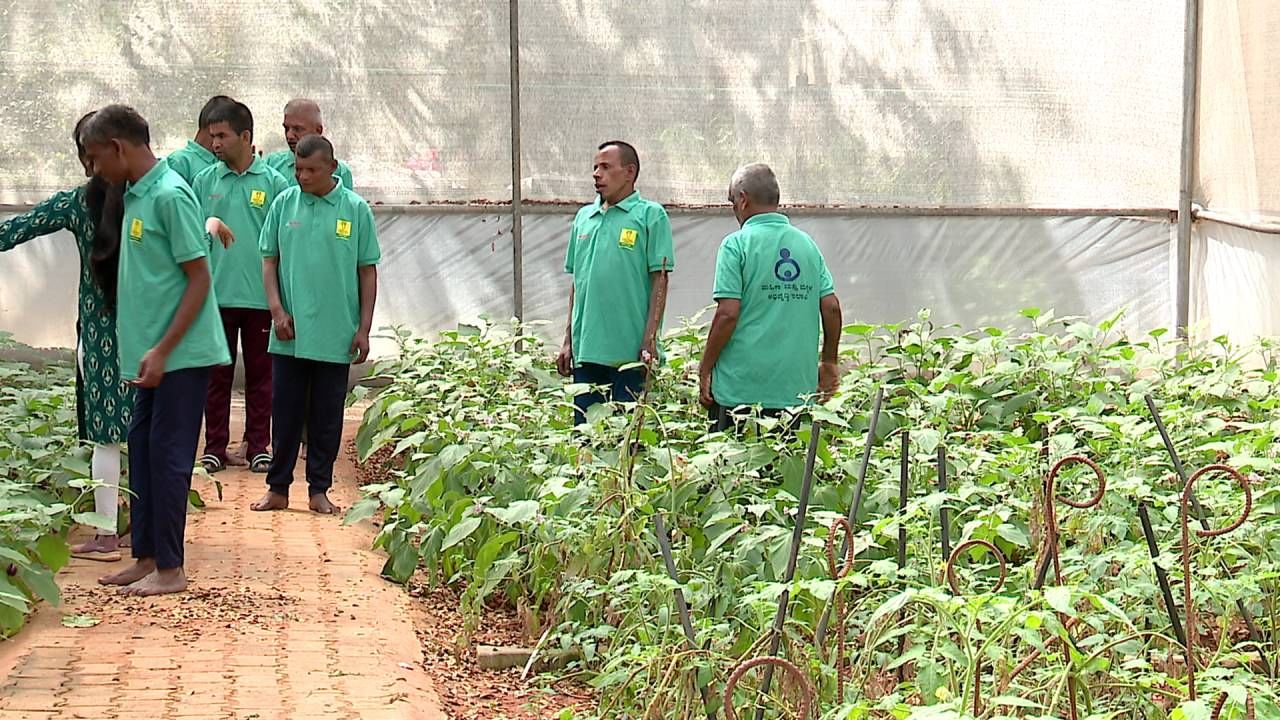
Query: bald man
(302, 118)
(773, 294)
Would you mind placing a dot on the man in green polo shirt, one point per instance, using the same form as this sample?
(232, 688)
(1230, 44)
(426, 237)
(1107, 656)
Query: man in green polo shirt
(619, 255)
(235, 194)
(197, 154)
(302, 118)
(168, 335)
(320, 253)
(772, 290)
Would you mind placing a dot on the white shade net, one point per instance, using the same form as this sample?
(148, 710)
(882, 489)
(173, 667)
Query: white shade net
(874, 102)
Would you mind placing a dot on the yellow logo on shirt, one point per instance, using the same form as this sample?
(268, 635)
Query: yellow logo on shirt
(628, 238)
(258, 198)
(135, 230)
(344, 228)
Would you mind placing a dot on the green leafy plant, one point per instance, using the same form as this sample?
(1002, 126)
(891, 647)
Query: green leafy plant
(495, 492)
(44, 485)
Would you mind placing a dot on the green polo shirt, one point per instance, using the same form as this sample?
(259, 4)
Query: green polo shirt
(321, 241)
(241, 201)
(283, 162)
(611, 253)
(190, 160)
(780, 276)
(162, 229)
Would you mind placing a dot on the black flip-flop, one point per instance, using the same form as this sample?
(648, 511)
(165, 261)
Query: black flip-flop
(212, 463)
(260, 463)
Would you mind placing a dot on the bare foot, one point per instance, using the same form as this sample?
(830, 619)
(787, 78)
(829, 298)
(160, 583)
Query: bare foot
(132, 574)
(320, 503)
(160, 582)
(271, 501)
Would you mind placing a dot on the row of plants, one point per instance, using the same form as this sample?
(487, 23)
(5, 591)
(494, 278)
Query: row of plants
(495, 492)
(44, 485)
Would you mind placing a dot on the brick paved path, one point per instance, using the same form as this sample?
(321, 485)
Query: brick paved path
(286, 617)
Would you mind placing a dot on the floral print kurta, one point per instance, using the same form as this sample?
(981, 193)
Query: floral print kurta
(104, 404)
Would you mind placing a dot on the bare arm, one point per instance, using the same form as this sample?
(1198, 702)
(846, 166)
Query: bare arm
(368, 275)
(564, 360)
(722, 327)
(832, 327)
(152, 368)
(271, 281)
(657, 307)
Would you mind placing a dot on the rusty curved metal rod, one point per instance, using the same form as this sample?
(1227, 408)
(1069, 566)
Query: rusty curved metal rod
(955, 590)
(1188, 600)
(1051, 547)
(838, 573)
(806, 687)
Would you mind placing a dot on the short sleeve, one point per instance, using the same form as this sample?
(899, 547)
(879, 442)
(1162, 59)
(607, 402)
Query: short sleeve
(825, 283)
(269, 238)
(660, 250)
(367, 250)
(728, 284)
(201, 186)
(182, 224)
(573, 243)
(279, 183)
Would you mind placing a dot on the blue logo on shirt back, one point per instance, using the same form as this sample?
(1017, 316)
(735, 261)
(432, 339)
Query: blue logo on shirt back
(786, 269)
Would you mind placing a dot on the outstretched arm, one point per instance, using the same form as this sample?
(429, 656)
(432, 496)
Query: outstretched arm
(54, 214)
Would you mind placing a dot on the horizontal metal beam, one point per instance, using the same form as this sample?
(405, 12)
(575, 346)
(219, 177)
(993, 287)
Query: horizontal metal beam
(561, 208)
(1268, 228)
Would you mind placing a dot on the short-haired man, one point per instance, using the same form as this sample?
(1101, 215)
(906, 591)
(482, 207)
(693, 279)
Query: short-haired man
(235, 194)
(197, 154)
(169, 336)
(320, 254)
(302, 118)
(772, 291)
(620, 253)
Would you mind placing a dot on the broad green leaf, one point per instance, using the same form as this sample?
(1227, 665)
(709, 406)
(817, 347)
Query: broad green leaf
(460, 532)
(53, 551)
(1059, 598)
(518, 512)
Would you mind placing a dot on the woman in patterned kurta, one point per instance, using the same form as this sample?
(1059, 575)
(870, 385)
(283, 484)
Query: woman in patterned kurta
(93, 214)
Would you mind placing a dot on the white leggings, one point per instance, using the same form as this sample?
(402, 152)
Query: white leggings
(105, 469)
(106, 497)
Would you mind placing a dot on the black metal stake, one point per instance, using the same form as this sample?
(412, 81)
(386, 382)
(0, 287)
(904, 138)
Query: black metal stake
(1254, 634)
(820, 631)
(1161, 576)
(797, 536)
(904, 478)
(682, 607)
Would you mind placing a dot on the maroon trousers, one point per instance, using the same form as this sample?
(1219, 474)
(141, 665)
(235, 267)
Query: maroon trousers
(253, 329)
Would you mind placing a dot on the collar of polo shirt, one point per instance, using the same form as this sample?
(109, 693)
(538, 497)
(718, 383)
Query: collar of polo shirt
(257, 167)
(332, 196)
(770, 217)
(144, 183)
(625, 204)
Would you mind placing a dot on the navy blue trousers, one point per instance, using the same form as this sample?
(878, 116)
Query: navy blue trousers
(163, 437)
(624, 386)
(310, 396)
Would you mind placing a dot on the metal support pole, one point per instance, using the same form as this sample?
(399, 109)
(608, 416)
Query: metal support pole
(682, 606)
(1254, 634)
(797, 537)
(1186, 187)
(820, 631)
(517, 215)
